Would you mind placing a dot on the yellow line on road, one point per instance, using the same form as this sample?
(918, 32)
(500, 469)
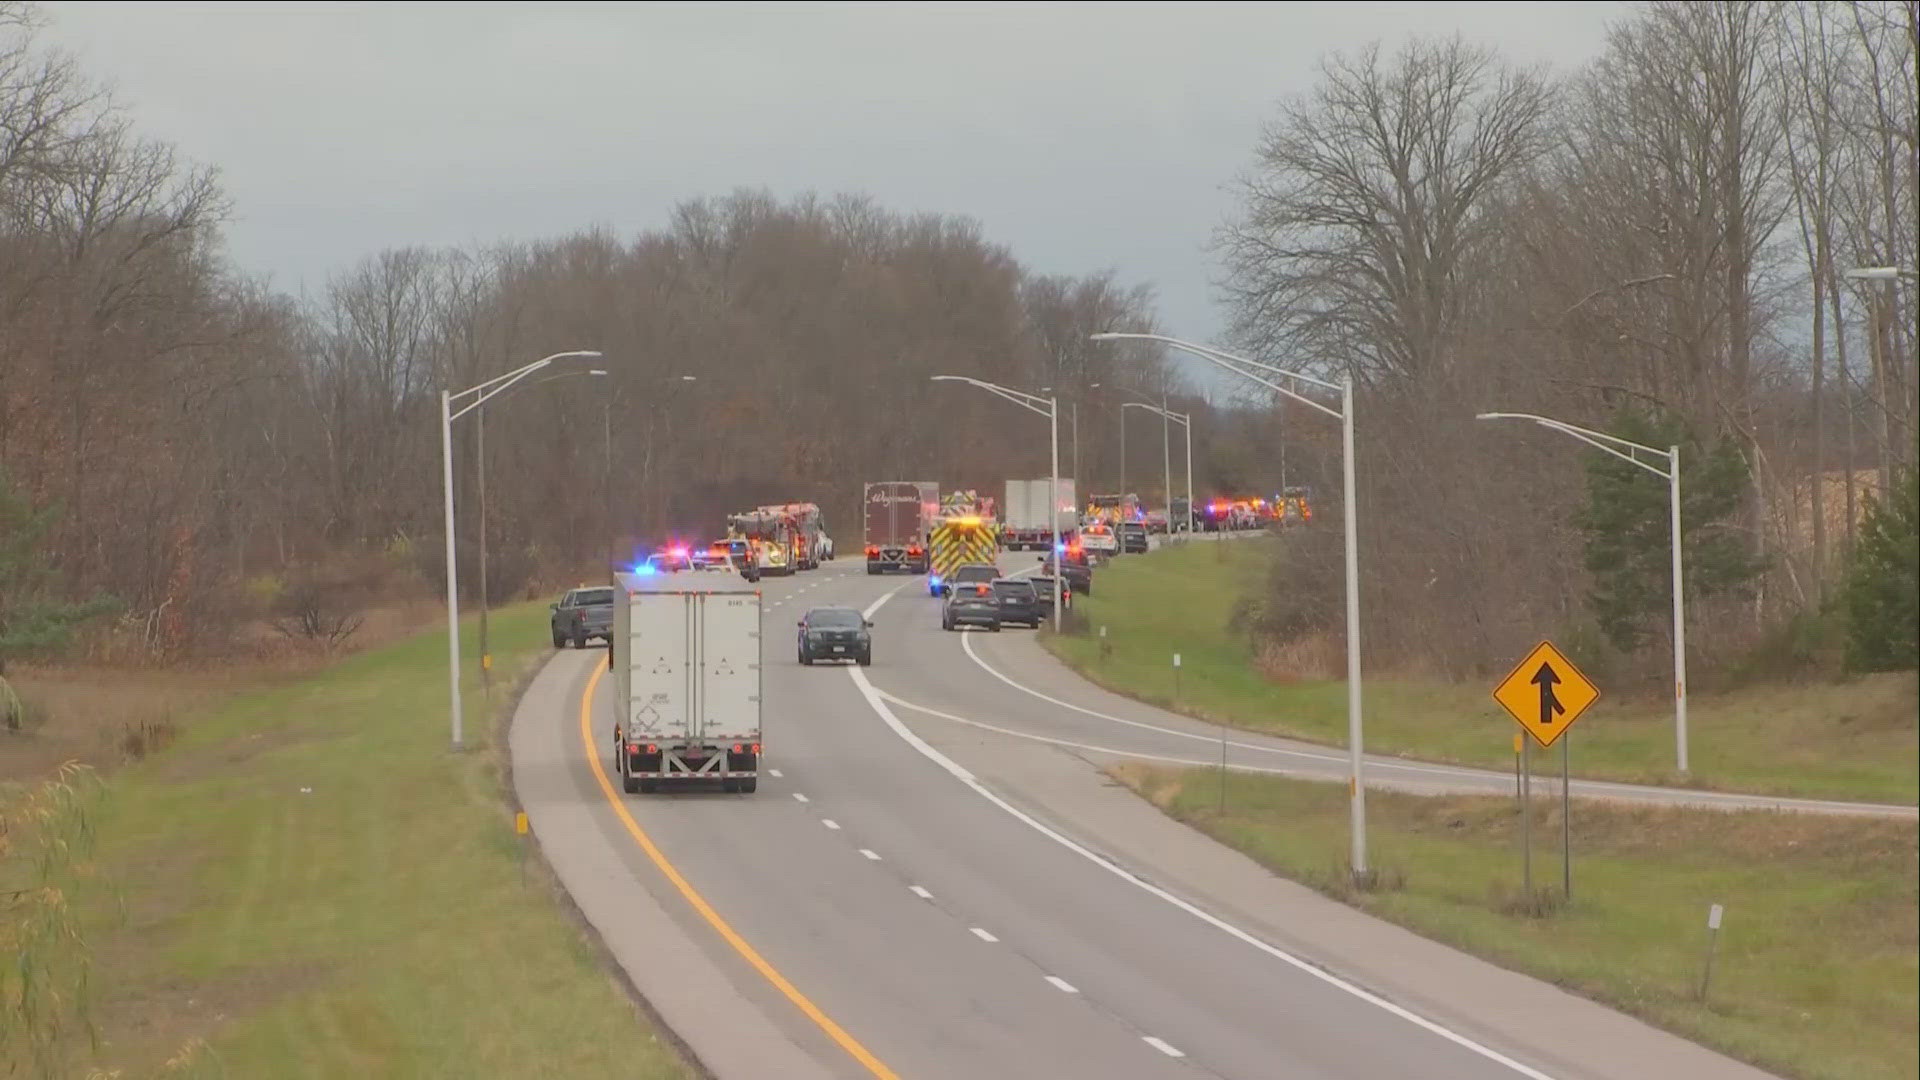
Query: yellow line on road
(727, 933)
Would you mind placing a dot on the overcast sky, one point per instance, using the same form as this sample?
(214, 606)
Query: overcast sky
(1083, 136)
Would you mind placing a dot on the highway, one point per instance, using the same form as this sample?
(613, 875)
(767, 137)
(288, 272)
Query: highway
(924, 886)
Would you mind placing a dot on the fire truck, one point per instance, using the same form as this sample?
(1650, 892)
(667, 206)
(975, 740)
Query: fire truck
(772, 540)
(812, 544)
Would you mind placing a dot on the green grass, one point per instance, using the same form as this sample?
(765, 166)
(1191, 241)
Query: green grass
(1849, 740)
(376, 925)
(1816, 970)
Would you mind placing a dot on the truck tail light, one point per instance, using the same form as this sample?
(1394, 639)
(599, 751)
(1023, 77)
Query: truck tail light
(633, 748)
(756, 749)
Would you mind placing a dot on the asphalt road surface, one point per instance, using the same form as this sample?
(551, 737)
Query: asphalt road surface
(934, 880)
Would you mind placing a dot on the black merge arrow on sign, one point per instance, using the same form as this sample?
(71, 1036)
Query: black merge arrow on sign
(1550, 706)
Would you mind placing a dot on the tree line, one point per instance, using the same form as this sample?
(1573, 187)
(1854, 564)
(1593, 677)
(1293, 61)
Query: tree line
(1659, 242)
(184, 441)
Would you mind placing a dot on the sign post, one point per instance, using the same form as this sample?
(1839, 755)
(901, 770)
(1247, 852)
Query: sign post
(1566, 822)
(1545, 694)
(1714, 912)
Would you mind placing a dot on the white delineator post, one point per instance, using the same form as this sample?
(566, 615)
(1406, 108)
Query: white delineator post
(1679, 616)
(453, 591)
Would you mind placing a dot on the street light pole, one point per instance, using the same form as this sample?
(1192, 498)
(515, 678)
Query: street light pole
(1356, 783)
(1624, 449)
(1166, 442)
(481, 394)
(1032, 403)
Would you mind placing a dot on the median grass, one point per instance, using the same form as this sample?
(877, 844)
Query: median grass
(307, 883)
(1816, 969)
(1853, 739)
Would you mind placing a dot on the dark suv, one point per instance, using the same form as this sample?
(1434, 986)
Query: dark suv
(1078, 571)
(970, 574)
(970, 605)
(1018, 604)
(582, 615)
(835, 634)
(1133, 537)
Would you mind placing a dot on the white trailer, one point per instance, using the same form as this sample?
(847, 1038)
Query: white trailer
(686, 675)
(1027, 508)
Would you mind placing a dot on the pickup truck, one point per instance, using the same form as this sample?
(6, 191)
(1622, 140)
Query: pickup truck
(582, 615)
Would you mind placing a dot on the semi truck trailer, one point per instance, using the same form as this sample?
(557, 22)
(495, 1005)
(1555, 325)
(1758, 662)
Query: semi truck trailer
(898, 518)
(686, 674)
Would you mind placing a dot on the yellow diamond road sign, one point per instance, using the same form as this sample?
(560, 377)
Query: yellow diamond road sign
(1546, 693)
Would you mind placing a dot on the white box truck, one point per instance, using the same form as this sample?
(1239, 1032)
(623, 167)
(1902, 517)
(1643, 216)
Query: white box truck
(1027, 521)
(686, 675)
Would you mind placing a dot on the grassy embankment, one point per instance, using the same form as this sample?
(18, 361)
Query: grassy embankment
(1816, 970)
(1850, 740)
(307, 880)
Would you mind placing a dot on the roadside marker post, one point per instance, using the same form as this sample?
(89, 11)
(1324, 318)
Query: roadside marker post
(1176, 676)
(1714, 912)
(1545, 694)
(520, 830)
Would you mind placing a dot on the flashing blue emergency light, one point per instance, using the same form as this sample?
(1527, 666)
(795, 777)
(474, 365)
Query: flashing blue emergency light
(646, 568)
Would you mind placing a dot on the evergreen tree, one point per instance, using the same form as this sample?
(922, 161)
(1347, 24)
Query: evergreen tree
(1629, 531)
(1882, 592)
(33, 616)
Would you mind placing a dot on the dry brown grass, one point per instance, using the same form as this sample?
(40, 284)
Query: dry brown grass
(105, 715)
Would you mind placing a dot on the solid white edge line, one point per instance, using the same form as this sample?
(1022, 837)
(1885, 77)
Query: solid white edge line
(920, 892)
(983, 935)
(1161, 1045)
(1062, 985)
(895, 699)
(893, 722)
(1653, 796)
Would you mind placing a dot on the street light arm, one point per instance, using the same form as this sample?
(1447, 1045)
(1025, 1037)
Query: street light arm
(1599, 440)
(499, 383)
(1238, 365)
(1178, 418)
(1217, 354)
(1021, 398)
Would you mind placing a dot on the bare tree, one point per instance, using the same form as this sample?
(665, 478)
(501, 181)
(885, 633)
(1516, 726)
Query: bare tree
(1363, 215)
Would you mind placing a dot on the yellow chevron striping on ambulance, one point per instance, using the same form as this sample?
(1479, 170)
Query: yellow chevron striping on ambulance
(956, 542)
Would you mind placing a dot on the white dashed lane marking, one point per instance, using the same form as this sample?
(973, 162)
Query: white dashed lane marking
(830, 823)
(920, 892)
(875, 856)
(775, 773)
(797, 797)
(1162, 1046)
(1062, 985)
(983, 935)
